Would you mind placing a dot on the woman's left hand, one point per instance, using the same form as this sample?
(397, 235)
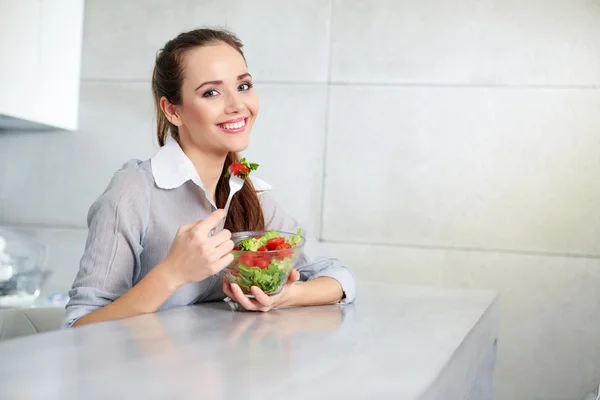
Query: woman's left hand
(262, 301)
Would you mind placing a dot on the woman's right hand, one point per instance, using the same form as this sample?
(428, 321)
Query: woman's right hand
(195, 255)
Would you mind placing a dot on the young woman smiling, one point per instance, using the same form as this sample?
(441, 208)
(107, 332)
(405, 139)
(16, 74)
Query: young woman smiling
(149, 246)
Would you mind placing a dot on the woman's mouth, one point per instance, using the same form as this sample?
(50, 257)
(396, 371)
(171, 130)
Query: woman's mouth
(234, 126)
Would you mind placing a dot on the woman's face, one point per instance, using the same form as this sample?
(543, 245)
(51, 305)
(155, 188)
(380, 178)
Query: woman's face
(219, 104)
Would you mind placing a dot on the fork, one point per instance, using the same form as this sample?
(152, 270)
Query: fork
(235, 185)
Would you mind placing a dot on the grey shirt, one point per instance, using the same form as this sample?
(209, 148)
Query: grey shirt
(133, 223)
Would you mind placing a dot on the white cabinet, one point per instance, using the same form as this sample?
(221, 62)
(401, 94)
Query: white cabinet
(40, 63)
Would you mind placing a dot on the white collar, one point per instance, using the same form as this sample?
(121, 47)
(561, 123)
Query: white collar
(171, 168)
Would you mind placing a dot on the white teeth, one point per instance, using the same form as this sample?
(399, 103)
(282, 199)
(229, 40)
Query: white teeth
(235, 125)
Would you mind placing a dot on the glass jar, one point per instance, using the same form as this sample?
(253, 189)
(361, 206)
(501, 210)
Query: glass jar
(22, 268)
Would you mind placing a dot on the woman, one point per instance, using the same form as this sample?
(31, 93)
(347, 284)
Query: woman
(149, 246)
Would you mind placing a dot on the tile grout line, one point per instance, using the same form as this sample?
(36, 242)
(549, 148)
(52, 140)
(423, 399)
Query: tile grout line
(330, 82)
(466, 249)
(326, 135)
(26, 225)
(466, 85)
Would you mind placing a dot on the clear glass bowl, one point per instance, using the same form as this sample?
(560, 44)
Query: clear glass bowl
(22, 268)
(268, 270)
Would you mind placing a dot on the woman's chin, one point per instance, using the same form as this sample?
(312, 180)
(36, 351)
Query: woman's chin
(238, 144)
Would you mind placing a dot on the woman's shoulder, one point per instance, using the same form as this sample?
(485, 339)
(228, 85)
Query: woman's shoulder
(260, 185)
(129, 183)
(126, 195)
(134, 174)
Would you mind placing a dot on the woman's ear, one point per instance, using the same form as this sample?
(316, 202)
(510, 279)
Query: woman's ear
(170, 111)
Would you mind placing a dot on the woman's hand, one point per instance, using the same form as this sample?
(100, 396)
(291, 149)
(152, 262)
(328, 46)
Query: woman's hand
(261, 301)
(195, 255)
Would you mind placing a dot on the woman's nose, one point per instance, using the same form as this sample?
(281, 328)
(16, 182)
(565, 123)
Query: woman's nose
(234, 104)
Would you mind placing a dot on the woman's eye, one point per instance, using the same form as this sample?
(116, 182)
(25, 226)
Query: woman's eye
(210, 93)
(244, 87)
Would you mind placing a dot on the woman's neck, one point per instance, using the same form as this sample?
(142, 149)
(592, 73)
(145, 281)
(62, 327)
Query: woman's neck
(208, 165)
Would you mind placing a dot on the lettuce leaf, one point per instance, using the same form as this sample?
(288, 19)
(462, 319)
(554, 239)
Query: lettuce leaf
(268, 279)
(253, 244)
(296, 239)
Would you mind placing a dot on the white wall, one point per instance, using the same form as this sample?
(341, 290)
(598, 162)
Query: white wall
(428, 142)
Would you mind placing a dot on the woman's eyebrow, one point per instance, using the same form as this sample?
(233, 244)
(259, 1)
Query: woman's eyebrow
(239, 78)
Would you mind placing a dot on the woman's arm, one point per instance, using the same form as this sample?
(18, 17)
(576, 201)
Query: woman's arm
(320, 278)
(103, 289)
(145, 297)
(116, 225)
(315, 292)
(316, 262)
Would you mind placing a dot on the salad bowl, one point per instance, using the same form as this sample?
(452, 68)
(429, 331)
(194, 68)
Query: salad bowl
(264, 259)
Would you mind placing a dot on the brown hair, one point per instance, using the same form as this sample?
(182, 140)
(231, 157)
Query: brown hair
(245, 212)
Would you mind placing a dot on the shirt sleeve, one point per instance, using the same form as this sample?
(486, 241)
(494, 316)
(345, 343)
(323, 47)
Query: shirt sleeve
(116, 222)
(316, 261)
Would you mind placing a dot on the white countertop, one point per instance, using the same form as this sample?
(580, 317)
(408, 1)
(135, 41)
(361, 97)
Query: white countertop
(395, 342)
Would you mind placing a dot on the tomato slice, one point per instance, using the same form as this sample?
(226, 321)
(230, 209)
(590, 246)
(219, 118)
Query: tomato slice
(238, 169)
(286, 253)
(247, 259)
(274, 242)
(261, 263)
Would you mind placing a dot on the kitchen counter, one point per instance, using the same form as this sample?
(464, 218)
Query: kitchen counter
(394, 342)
